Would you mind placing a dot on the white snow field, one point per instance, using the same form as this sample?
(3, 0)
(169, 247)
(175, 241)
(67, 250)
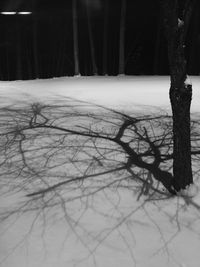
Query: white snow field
(118, 92)
(115, 228)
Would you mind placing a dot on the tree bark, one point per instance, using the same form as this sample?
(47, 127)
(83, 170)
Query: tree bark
(176, 22)
(180, 102)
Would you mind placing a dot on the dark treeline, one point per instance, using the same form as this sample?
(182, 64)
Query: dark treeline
(89, 37)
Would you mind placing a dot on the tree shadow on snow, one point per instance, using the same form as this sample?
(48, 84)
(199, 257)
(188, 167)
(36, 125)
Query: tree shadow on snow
(69, 157)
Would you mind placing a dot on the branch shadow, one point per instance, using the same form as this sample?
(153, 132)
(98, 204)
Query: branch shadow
(56, 156)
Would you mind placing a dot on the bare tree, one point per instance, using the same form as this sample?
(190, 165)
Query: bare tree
(157, 45)
(122, 37)
(105, 39)
(176, 15)
(35, 43)
(75, 37)
(19, 69)
(91, 39)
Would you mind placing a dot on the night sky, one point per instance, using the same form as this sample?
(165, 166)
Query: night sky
(40, 45)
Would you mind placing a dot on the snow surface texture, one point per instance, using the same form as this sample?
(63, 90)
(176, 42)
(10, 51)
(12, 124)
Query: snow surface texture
(190, 191)
(153, 234)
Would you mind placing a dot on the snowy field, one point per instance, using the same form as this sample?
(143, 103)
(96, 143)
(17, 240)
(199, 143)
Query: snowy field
(116, 92)
(92, 223)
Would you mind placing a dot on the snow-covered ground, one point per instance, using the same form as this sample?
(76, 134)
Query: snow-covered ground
(109, 91)
(122, 231)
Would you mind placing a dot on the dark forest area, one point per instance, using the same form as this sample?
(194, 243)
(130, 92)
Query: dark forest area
(110, 39)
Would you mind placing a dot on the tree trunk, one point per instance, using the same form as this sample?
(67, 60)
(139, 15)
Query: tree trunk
(180, 102)
(94, 66)
(19, 72)
(35, 47)
(194, 43)
(122, 38)
(176, 25)
(157, 46)
(105, 39)
(75, 38)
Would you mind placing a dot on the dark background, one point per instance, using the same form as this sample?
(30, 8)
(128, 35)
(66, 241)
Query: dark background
(40, 45)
